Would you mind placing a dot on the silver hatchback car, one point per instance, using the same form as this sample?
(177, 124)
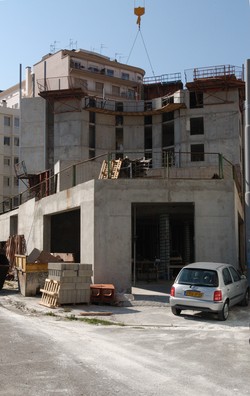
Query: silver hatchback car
(208, 287)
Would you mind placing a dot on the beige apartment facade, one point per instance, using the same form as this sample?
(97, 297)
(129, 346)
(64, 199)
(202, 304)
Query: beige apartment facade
(9, 151)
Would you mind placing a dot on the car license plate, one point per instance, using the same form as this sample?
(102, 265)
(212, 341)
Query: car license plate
(191, 293)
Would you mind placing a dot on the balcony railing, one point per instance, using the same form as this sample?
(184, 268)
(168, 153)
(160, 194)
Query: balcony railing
(164, 164)
(134, 106)
(215, 72)
(163, 79)
(61, 83)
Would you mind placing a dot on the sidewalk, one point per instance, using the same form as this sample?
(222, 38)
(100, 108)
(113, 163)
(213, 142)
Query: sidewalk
(147, 306)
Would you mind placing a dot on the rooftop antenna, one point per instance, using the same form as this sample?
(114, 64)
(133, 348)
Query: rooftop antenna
(72, 44)
(118, 53)
(101, 48)
(53, 48)
(122, 57)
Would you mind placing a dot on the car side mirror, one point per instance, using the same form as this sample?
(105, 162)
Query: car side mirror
(243, 277)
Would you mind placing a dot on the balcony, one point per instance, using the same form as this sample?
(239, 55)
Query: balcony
(62, 84)
(106, 71)
(168, 103)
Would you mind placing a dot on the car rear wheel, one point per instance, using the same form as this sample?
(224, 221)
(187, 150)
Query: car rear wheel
(176, 311)
(223, 314)
(245, 300)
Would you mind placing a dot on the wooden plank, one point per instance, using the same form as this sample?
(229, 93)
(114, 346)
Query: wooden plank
(104, 170)
(50, 293)
(96, 313)
(34, 267)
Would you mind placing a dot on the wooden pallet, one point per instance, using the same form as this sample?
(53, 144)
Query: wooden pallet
(50, 293)
(115, 166)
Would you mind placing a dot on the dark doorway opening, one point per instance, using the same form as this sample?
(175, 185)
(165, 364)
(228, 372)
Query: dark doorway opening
(65, 233)
(163, 240)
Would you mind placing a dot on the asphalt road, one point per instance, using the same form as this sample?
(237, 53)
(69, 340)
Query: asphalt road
(46, 355)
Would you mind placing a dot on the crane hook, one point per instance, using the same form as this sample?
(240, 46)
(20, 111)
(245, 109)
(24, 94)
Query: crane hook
(139, 11)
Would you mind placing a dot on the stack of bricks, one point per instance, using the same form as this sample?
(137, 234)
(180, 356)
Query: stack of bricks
(74, 279)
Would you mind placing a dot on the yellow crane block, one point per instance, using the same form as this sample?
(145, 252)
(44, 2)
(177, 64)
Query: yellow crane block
(139, 11)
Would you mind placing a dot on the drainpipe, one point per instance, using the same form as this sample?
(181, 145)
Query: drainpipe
(247, 168)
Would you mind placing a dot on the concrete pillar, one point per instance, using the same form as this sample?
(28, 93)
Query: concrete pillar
(187, 243)
(247, 168)
(164, 246)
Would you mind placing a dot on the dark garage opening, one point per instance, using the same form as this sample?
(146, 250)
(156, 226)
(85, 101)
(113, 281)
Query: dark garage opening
(163, 240)
(65, 233)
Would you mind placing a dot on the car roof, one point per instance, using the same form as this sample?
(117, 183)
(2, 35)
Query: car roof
(207, 265)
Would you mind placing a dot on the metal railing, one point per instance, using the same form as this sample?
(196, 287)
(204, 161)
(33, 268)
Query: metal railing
(223, 71)
(133, 106)
(163, 79)
(156, 164)
(60, 83)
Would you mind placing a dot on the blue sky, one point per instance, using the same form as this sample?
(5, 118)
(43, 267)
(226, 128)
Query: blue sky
(175, 34)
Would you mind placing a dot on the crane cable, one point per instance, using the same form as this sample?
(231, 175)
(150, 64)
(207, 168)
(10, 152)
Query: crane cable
(139, 31)
(147, 53)
(133, 45)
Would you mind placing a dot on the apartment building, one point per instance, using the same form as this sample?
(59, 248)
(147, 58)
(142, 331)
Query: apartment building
(180, 149)
(9, 150)
(10, 126)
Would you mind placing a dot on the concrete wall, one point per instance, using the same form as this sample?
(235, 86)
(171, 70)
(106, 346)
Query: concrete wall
(106, 206)
(56, 66)
(106, 215)
(33, 134)
(215, 228)
(222, 125)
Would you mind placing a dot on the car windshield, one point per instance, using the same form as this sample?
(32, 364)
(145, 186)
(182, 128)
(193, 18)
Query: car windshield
(198, 277)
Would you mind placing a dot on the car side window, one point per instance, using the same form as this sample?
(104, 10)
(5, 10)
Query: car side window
(227, 276)
(235, 275)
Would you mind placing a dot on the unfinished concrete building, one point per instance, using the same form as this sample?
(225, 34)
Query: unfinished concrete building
(143, 171)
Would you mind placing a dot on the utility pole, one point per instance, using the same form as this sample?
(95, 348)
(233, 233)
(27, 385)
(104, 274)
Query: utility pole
(247, 167)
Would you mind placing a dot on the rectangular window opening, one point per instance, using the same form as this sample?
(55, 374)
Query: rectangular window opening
(6, 141)
(196, 100)
(92, 137)
(197, 152)
(6, 161)
(7, 121)
(148, 138)
(197, 126)
(168, 134)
